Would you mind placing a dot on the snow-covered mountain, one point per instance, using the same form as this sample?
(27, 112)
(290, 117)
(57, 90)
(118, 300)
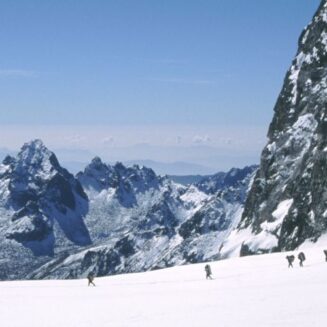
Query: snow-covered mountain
(234, 178)
(140, 221)
(287, 203)
(42, 207)
(109, 218)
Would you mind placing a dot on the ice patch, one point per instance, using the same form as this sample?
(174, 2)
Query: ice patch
(232, 247)
(264, 241)
(305, 36)
(305, 122)
(279, 214)
(271, 147)
(324, 17)
(282, 209)
(194, 197)
(293, 79)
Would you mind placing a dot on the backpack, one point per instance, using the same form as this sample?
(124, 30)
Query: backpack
(290, 258)
(301, 256)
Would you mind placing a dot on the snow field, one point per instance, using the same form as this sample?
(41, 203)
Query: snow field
(250, 291)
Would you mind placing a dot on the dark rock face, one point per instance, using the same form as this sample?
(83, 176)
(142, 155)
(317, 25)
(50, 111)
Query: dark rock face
(105, 261)
(288, 199)
(29, 224)
(125, 247)
(208, 219)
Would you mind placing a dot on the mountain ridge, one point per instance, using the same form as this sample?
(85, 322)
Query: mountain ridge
(287, 202)
(133, 219)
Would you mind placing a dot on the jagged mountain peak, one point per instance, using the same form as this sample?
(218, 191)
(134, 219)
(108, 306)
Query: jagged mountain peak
(38, 192)
(222, 180)
(34, 148)
(307, 75)
(34, 167)
(98, 176)
(35, 159)
(287, 202)
(97, 166)
(36, 144)
(96, 161)
(141, 171)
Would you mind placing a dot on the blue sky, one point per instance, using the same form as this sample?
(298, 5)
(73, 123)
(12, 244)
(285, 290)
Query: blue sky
(190, 70)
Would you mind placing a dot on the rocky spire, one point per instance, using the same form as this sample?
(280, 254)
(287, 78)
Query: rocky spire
(39, 191)
(287, 203)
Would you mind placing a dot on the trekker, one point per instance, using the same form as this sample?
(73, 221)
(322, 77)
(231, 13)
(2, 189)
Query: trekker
(208, 271)
(290, 259)
(301, 257)
(90, 278)
(325, 251)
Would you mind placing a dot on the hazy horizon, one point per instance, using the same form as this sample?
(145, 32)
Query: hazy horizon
(191, 82)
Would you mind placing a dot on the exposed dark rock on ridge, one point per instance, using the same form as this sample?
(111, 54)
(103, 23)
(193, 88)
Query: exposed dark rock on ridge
(287, 203)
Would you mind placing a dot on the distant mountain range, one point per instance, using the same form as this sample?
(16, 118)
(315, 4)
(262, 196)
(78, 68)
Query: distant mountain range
(185, 164)
(161, 168)
(108, 218)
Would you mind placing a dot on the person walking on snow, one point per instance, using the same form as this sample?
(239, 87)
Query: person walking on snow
(301, 257)
(208, 271)
(290, 259)
(325, 251)
(90, 278)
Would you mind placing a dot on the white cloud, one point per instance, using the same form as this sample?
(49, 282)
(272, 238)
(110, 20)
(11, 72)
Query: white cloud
(216, 146)
(109, 140)
(201, 139)
(226, 141)
(76, 139)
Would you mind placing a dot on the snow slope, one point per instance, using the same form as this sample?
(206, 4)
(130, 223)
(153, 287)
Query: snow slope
(248, 291)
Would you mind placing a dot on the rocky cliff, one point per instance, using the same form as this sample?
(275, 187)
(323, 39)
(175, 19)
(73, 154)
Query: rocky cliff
(287, 203)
